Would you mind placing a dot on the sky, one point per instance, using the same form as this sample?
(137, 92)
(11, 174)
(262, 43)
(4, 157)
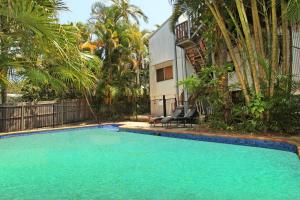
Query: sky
(158, 11)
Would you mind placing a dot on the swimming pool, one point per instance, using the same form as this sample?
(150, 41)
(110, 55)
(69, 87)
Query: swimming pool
(100, 163)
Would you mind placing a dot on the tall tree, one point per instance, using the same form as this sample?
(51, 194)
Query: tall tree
(125, 10)
(245, 26)
(36, 47)
(122, 51)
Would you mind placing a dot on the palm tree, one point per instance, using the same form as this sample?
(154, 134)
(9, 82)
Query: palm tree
(122, 51)
(37, 48)
(293, 12)
(125, 10)
(247, 25)
(250, 31)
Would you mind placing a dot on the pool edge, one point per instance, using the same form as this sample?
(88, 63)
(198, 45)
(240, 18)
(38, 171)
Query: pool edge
(253, 141)
(52, 130)
(269, 143)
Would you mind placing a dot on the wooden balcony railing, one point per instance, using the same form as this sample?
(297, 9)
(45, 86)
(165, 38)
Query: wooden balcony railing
(182, 31)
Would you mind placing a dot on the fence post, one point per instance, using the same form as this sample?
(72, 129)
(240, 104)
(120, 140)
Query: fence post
(164, 106)
(80, 111)
(35, 116)
(22, 117)
(62, 112)
(53, 113)
(136, 108)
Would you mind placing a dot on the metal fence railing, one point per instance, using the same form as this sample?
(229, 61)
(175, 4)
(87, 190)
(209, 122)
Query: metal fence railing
(157, 106)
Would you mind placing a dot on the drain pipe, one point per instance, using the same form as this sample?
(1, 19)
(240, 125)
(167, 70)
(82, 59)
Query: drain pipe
(184, 76)
(176, 70)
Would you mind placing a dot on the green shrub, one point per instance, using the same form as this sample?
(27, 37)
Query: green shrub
(281, 113)
(285, 113)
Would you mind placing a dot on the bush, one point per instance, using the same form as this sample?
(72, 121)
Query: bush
(281, 113)
(285, 113)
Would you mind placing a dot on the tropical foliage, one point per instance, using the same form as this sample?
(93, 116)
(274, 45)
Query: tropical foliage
(257, 37)
(105, 60)
(123, 49)
(40, 52)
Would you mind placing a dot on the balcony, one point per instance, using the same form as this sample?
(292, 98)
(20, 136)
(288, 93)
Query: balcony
(188, 37)
(183, 35)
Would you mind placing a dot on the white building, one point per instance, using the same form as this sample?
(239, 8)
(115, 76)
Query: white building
(167, 67)
(172, 58)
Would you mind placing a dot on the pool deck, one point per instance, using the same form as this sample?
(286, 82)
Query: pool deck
(144, 126)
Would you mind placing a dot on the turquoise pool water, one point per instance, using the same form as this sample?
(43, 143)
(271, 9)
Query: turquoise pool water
(101, 164)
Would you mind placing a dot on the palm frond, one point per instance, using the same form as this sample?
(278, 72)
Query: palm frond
(293, 12)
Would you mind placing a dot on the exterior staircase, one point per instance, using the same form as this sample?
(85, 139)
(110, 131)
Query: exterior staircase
(196, 55)
(193, 45)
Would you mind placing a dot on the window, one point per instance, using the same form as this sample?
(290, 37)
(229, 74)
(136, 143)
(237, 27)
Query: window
(169, 73)
(164, 74)
(160, 75)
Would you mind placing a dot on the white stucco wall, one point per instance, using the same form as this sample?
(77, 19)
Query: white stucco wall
(162, 54)
(233, 80)
(161, 49)
(296, 54)
(162, 44)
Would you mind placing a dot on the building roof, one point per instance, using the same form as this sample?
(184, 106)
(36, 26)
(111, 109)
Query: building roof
(159, 28)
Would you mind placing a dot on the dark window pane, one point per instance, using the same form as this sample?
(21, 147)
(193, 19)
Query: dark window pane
(160, 74)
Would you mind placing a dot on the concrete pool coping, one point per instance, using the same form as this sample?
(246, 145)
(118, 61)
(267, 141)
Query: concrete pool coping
(144, 128)
(227, 138)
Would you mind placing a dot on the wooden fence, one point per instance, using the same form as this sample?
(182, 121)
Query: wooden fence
(26, 116)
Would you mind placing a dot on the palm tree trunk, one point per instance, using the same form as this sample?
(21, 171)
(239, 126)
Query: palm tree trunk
(138, 74)
(2, 71)
(3, 92)
(90, 107)
(290, 73)
(3, 95)
(220, 58)
(285, 39)
(274, 57)
(241, 45)
(3, 86)
(213, 7)
(246, 30)
(259, 44)
(268, 30)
